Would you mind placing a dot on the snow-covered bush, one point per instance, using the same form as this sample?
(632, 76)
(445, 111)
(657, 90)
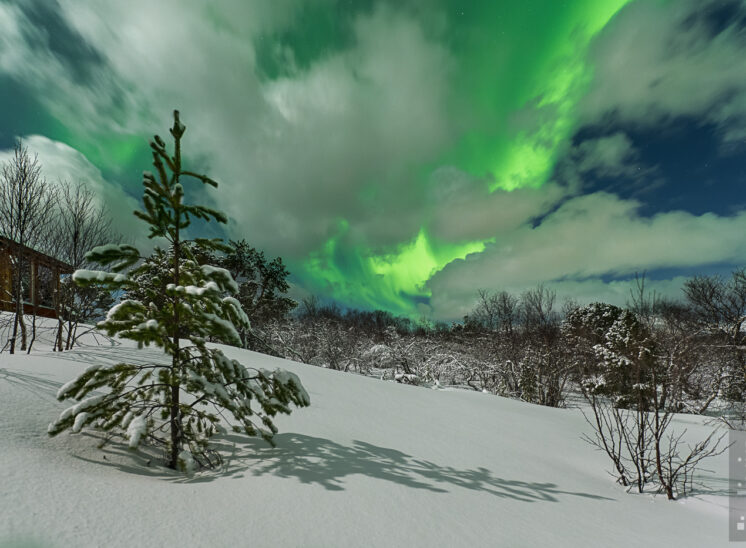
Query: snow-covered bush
(632, 390)
(179, 404)
(611, 343)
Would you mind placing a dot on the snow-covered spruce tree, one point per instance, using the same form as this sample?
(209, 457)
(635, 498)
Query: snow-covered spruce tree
(178, 404)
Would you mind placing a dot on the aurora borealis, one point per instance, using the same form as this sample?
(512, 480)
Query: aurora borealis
(402, 155)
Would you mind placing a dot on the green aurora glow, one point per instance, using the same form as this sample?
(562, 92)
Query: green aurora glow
(521, 72)
(515, 57)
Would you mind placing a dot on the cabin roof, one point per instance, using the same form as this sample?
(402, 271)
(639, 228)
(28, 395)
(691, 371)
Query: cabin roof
(41, 258)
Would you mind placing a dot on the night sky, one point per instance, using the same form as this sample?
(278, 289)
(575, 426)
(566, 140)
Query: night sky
(402, 154)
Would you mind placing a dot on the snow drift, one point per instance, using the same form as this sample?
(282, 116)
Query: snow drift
(370, 463)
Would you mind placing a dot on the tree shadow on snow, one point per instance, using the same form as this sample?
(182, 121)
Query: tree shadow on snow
(324, 462)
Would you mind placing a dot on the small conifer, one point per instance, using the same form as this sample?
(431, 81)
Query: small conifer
(178, 403)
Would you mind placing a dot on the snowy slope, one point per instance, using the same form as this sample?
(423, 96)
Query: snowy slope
(370, 463)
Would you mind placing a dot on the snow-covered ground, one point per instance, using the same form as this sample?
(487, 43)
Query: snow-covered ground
(370, 463)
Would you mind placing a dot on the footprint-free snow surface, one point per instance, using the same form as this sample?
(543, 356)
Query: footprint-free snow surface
(370, 463)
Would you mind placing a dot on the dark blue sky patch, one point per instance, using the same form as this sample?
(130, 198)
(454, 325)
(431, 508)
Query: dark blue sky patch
(684, 167)
(720, 269)
(419, 299)
(20, 114)
(718, 16)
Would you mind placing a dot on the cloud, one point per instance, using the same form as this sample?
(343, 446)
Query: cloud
(344, 137)
(461, 208)
(64, 71)
(657, 61)
(609, 156)
(586, 238)
(348, 136)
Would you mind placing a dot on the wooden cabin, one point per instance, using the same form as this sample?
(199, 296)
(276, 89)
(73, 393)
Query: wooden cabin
(41, 279)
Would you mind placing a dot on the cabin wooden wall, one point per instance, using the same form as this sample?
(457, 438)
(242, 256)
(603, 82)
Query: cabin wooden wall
(5, 275)
(34, 260)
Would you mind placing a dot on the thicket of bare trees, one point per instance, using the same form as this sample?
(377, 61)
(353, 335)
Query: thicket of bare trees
(716, 314)
(528, 347)
(508, 345)
(63, 221)
(80, 224)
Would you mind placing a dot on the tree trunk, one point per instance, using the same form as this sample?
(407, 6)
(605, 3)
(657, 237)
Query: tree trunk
(60, 324)
(175, 420)
(68, 342)
(33, 332)
(12, 349)
(666, 484)
(74, 336)
(24, 336)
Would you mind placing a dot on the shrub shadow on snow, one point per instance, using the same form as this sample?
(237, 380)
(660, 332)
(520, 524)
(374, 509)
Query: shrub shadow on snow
(706, 484)
(327, 463)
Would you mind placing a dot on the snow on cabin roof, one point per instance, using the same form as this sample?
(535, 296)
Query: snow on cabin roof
(42, 258)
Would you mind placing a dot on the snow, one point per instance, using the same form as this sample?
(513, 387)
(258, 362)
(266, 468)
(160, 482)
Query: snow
(135, 430)
(83, 275)
(193, 290)
(148, 325)
(108, 248)
(370, 463)
(222, 276)
(69, 384)
(80, 419)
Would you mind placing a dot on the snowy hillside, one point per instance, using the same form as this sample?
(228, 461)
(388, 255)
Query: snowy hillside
(370, 463)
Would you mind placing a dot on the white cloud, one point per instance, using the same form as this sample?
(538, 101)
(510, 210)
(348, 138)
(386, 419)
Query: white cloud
(460, 207)
(297, 153)
(25, 56)
(660, 60)
(612, 155)
(588, 237)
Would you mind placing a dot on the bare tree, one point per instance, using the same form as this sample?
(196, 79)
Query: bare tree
(544, 369)
(81, 224)
(720, 304)
(26, 211)
(494, 312)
